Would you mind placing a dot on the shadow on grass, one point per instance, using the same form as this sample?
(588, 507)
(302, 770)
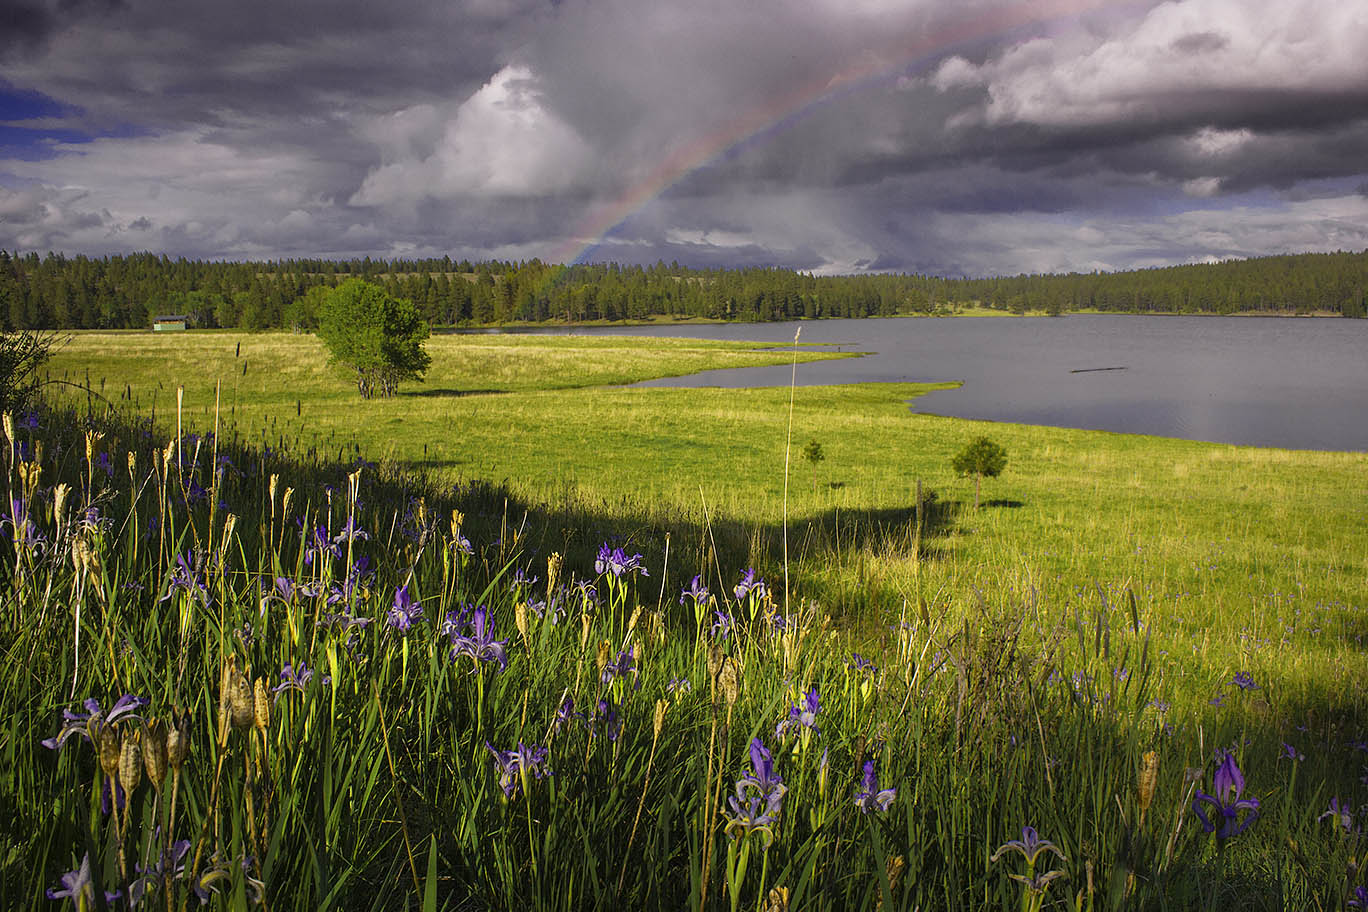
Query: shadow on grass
(1010, 504)
(449, 393)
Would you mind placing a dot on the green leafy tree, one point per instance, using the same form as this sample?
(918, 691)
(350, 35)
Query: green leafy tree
(373, 336)
(981, 457)
(813, 454)
(22, 352)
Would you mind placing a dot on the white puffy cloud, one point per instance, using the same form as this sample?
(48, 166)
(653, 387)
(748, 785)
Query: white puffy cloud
(501, 141)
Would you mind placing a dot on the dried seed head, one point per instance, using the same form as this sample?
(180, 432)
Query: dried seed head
(229, 524)
(715, 659)
(59, 497)
(167, 454)
(553, 572)
(275, 480)
(132, 463)
(729, 680)
(9, 429)
(92, 438)
(154, 753)
(605, 654)
(520, 618)
(242, 703)
(109, 751)
(178, 739)
(658, 721)
(457, 517)
(130, 763)
(894, 871)
(632, 621)
(261, 705)
(585, 621)
(1149, 777)
(778, 900)
(285, 501)
(30, 473)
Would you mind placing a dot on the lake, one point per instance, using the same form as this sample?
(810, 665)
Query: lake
(1299, 383)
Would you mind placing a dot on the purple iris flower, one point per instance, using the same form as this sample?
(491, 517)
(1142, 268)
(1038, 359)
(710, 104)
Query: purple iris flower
(749, 585)
(517, 767)
(348, 533)
(566, 714)
(762, 775)
(759, 797)
(79, 888)
(677, 686)
(696, 591)
(871, 797)
(292, 678)
(1289, 752)
(169, 865)
(480, 645)
(616, 562)
(1227, 804)
(623, 665)
(1359, 898)
(722, 624)
(606, 715)
(90, 723)
(1340, 814)
(187, 576)
(802, 714)
(405, 610)
(1244, 680)
(1031, 847)
(860, 663)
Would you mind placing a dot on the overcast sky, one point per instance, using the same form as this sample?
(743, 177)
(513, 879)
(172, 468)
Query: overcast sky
(953, 137)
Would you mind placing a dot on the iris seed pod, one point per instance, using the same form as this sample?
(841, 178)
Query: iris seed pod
(178, 739)
(154, 753)
(658, 722)
(130, 763)
(109, 751)
(1149, 777)
(241, 703)
(261, 705)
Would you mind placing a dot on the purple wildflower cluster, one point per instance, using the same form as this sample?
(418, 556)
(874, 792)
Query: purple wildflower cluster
(750, 586)
(405, 610)
(91, 723)
(870, 797)
(759, 797)
(472, 636)
(614, 561)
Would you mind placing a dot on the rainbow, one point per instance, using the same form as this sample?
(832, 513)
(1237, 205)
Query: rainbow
(908, 56)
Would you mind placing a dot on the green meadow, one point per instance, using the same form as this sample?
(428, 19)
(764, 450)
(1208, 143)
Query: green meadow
(1146, 651)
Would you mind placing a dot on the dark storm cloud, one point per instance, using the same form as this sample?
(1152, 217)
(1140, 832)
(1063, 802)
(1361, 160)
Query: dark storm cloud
(832, 135)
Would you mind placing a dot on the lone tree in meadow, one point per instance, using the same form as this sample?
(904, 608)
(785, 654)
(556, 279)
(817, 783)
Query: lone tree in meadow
(813, 454)
(377, 338)
(981, 457)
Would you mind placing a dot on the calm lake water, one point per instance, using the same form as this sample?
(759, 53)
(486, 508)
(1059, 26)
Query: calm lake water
(1262, 381)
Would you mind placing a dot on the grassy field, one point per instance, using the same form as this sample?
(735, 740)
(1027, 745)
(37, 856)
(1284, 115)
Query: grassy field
(1087, 655)
(1243, 556)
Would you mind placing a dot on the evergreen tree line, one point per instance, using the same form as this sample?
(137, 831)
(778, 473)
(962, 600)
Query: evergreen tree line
(120, 292)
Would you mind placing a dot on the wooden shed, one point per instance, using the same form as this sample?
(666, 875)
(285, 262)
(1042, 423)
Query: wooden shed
(169, 322)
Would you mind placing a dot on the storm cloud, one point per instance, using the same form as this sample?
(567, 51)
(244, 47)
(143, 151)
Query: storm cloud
(832, 136)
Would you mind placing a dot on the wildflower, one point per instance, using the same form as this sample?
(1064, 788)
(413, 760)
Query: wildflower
(1244, 681)
(860, 663)
(616, 562)
(759, 797)
(405, 610)
(1289, 752)
(521, 580)
(678, 686)
(722, 624)
(92, 722)
(802, 714)
(623, 665)
(871, 797)
(749, 585)
(480, 645)
(1228, 783)
(518, 766)
(292, 678)
(607, 714)
(79, 888)
(1359, 898)
(1340, 814)
(187, 576)
(565, 714)
(168, 865)
(1031, 847)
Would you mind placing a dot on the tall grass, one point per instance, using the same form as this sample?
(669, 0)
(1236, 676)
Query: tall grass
(434, 653)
